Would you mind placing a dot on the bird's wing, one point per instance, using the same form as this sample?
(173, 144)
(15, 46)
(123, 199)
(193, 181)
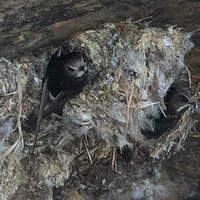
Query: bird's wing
(43, 102)
(58, 104)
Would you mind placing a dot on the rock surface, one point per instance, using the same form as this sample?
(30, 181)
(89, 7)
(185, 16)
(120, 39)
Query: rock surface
(28, 25)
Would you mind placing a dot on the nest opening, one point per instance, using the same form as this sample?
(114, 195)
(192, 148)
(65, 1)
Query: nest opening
(177, 102)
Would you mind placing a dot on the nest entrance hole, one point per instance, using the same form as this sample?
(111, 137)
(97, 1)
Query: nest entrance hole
(166, 123)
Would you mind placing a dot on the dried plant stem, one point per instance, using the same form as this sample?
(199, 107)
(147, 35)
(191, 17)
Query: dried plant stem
(189, 75)
(11, 93)
(142, 19)
(114, 167)
(198, 29)
(165, 143)
(129, 104)
(196, 91)
(20, 108)
(88, 152)
(20, 140)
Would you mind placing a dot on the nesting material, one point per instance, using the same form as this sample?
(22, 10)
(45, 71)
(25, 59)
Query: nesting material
(11, 177)
(8, 87)
(130, 72)
(137, 68)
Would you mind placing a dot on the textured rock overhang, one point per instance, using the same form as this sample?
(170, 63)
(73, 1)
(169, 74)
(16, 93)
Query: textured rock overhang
(25, 26)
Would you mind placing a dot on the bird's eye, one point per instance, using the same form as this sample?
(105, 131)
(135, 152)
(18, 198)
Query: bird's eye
(183, 98)
(82, 68)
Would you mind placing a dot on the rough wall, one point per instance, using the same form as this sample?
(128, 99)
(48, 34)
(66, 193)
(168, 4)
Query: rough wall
(26, 25)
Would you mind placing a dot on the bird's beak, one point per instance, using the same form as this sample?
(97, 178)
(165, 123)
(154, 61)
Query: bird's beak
(188, 104)
(194, 104)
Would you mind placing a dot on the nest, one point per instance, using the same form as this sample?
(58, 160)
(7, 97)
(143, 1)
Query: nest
(130, 72)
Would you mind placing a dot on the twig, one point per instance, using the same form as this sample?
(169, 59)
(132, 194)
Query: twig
(114, 159)
(11, 93)
(195, 30)
(5, 60)
(189, 75)
(149, 104)
(142, 19)
(20, 110)
(20, 140)
(162, 111)
(128, 105)
(196, 91)
(90, 158)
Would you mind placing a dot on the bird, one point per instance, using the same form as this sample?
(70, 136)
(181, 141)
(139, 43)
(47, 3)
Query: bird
(65, 77)
(178, 99)
(66, 72)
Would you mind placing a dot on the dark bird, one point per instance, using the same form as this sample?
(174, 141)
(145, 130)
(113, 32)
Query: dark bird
(178, 99)
(66, 76)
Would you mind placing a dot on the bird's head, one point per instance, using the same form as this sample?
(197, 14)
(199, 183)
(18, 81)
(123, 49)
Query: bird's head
(75, 66)
(180, 100)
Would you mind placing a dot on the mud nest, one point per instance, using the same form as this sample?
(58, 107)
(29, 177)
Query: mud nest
(133, 76)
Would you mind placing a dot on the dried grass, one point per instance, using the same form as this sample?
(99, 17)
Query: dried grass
(19, 144)
(162, 147)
